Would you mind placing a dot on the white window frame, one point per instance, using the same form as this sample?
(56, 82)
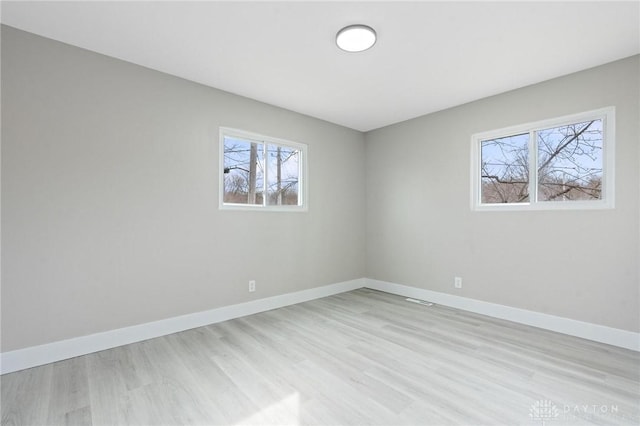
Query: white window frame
(607, 115)
(303, 197)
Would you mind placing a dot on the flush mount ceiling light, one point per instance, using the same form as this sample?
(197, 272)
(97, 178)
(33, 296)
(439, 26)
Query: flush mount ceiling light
(356, 38)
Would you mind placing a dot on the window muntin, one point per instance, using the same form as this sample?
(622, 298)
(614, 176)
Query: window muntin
(261, 172)
(572, 160)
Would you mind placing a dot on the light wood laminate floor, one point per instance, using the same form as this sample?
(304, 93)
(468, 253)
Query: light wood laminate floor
(362, 357)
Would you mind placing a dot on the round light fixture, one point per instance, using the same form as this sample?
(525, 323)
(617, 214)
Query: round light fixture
(356, 38)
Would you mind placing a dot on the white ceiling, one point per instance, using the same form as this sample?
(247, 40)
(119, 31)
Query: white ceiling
(429, 55)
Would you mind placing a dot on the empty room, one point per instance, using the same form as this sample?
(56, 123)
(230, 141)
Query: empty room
(320, 213)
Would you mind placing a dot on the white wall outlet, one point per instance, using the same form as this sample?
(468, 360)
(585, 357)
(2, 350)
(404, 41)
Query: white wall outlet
(457, 282)
(252, 286)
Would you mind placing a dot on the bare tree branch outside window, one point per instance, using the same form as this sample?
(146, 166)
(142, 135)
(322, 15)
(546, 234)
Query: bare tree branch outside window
(505, 169)
(243, 171)
(248, 163)
(282, 183)
(570, 162)
(569, 158)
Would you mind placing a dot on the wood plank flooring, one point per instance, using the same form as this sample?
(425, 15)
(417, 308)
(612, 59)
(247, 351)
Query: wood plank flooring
(358, 358)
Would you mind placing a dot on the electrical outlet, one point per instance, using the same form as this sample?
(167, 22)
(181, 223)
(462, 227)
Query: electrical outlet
(252, 286)
(457, 282)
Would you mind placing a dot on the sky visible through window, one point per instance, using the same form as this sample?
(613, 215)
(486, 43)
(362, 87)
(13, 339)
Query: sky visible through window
(569, 161)
(248, 163)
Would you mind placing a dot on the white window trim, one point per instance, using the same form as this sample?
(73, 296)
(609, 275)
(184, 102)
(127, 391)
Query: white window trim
(303, 181)
(607, 115)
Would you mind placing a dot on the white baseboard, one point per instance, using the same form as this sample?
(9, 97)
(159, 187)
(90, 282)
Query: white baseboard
(43, 354)
(599, 333)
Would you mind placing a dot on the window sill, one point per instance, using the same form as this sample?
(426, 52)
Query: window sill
(544, 206)
(241, 207)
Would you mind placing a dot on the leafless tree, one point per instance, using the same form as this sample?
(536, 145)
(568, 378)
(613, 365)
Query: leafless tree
(244, 174)
(569, 165)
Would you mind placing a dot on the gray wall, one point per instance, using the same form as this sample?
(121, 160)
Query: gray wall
(110, 197)
(110, 189)
(577, 264)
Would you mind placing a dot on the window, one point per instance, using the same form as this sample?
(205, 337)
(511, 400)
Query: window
(562, 163)
(260, 172)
